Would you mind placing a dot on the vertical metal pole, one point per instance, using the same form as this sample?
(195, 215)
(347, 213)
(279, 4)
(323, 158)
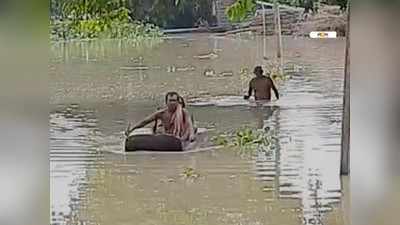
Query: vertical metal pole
(264, 33)
(278, 29)
(279, 53)
(345, 145)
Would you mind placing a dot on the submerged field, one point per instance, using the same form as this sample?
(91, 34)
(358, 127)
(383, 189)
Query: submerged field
(96, 87)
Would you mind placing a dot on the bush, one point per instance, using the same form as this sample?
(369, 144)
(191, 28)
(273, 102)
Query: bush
(97, 28)
(100, 21)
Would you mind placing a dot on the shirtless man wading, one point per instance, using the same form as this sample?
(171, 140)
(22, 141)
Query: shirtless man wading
(261, 85)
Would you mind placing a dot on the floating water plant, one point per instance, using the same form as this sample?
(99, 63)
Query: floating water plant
(190, 173)
(221, 139)
(247, 140)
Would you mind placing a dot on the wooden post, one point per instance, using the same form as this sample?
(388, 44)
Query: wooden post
(345, 145)
(264, 34)
(278, 29)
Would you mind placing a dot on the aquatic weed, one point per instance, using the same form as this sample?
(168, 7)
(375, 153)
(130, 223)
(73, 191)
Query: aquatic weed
(190, 173)
(246, 141)
(221, 139)
(275, 71)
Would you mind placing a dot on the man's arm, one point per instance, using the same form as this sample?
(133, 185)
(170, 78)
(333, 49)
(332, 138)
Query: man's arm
(250, 90)
(275, 90)
(144, 122)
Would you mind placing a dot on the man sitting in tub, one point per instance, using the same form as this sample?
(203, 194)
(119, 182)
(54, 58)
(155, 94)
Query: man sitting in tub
(261, 85)
(175, 119)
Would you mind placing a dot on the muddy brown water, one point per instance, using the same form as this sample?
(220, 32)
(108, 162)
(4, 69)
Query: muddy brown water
(98, 86)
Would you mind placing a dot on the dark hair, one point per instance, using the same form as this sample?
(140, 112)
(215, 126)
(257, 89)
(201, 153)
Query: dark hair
(258, 69)
(180, 99)
(171, 93)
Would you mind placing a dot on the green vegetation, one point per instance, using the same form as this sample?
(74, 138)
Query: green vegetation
(135, 19)
(94, 28)
(242, 9)
(245, 141)
(174, 13)
(276, 72)
(190, 173)
(126, 19)
(85, 19)
(220, 140)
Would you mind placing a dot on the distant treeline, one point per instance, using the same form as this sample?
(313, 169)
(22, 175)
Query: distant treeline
(162, 13)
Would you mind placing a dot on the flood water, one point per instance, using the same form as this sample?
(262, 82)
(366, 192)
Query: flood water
(97, 87)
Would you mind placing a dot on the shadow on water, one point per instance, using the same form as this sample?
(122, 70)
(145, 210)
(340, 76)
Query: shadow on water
(297, 183)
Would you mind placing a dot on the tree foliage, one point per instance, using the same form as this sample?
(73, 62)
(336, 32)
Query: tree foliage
(83, 19)
(113, 18)
(241, 9)
(177, 13)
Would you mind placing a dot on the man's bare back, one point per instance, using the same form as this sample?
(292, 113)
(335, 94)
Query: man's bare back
(261, 85)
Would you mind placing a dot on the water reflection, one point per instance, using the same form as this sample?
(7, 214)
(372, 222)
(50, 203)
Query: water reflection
(304, 165)
(72, 157)
(263, 113)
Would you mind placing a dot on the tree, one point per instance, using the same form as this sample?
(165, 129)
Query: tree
(240, 10)
(82, 19)
(85, 9)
